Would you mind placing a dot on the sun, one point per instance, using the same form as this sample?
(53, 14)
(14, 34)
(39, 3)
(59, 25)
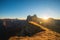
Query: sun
(45, 18)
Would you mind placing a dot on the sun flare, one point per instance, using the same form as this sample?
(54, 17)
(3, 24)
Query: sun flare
(45, 18)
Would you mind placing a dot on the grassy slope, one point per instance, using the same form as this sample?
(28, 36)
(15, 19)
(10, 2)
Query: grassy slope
(44, 35)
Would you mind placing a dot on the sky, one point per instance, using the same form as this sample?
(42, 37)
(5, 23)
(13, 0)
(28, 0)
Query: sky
(23, 8)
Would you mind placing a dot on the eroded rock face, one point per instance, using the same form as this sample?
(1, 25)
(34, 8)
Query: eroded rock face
(18, 28)
(29, 30)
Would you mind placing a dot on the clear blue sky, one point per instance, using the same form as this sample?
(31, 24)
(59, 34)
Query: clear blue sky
(22, 8)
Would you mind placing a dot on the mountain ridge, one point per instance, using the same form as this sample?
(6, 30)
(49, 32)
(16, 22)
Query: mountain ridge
(44, 35)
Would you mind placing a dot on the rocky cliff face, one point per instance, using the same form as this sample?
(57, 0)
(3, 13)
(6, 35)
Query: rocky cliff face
(41, 35)
(17, 28)
(32, 18)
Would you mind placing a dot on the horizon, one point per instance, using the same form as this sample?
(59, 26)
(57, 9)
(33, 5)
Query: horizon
(23, 8)
(26, 18)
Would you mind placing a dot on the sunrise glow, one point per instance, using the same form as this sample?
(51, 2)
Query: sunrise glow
(45, 18)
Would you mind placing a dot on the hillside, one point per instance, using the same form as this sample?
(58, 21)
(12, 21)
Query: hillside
(44, 35)
(10, 28)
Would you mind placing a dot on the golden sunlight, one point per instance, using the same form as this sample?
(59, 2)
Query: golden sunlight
(45, 18)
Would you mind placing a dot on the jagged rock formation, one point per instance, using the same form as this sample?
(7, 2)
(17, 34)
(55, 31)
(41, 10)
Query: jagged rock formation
(32, 18)
(23, 30)
(18, 28)
(43, 35)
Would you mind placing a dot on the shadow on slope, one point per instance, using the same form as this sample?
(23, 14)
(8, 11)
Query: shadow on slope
(21, 28)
